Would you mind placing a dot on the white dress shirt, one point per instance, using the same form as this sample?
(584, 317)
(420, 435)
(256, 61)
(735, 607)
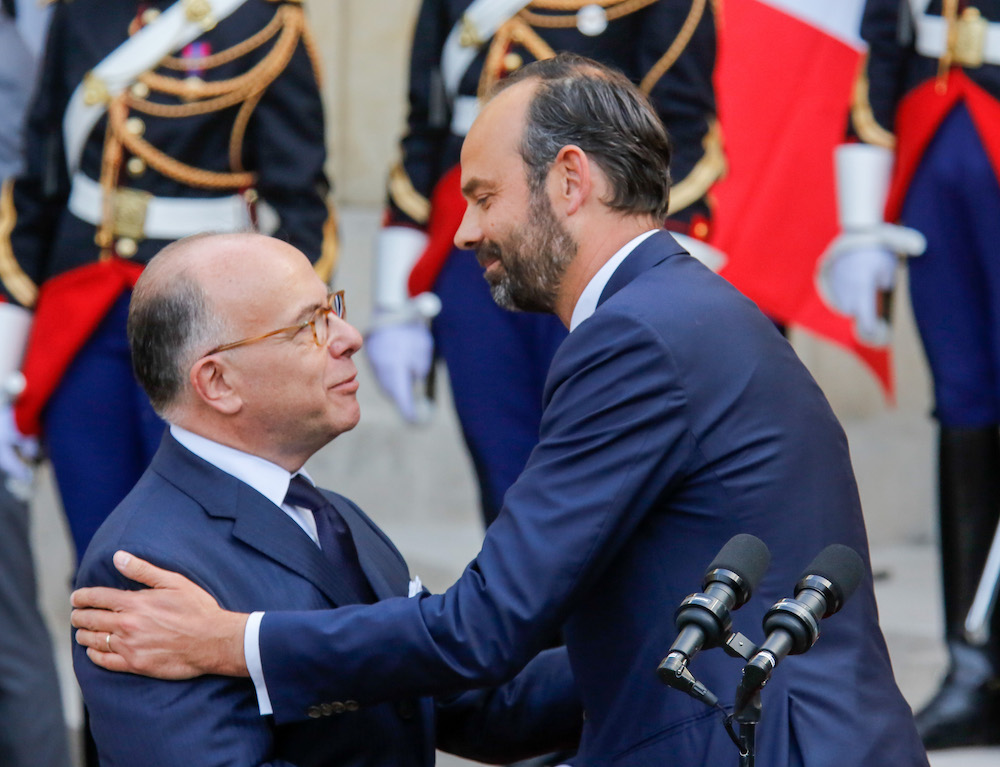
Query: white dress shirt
(587, 302)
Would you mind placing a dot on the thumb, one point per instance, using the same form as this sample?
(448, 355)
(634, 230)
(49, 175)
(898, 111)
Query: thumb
(143, 572)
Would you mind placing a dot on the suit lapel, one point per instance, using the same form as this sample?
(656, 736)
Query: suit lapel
(256, 521)
(650, 252)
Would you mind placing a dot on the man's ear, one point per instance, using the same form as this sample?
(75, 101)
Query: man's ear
(212, 381)
(572, 172)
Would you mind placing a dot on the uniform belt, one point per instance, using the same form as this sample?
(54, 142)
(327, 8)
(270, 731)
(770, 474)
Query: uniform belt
(464, 111)
(978, 42)
(140, 215)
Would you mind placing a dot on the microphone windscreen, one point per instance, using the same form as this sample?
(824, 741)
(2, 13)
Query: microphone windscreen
(841, 565)
(746, 555)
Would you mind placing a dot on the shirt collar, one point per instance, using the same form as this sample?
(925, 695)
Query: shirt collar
(587, 303)
(268, 479)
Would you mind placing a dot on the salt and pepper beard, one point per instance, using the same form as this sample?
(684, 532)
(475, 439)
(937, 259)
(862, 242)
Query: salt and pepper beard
(533, 260)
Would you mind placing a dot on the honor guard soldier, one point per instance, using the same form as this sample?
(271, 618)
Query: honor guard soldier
(927, 116)
(153, 121)
(497, 361)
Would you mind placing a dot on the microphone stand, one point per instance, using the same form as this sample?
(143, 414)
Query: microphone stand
(747, 711)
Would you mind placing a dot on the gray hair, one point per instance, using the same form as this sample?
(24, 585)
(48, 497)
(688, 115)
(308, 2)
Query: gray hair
(171, 324)
(583, 103)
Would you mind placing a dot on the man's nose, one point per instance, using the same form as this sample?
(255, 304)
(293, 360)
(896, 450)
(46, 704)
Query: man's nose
(469, 233)
(345, 339)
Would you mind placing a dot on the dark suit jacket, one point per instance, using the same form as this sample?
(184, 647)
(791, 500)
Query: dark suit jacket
(188, 516)
(675, 417)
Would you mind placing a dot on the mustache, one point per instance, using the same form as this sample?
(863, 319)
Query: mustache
(488, 251)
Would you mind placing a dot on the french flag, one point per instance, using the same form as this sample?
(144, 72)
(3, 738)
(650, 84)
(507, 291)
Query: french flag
(785, 73)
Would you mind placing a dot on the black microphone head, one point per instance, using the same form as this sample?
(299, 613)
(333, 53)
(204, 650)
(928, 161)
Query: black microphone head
(747, 557)
(842, 566)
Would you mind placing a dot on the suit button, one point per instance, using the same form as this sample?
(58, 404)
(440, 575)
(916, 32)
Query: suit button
(512, 62)
(136, 166)
(338, 707)
(351, 705)
(126, 247)
(326, 709)
(407, 709)
(314, 712)
(135, 126)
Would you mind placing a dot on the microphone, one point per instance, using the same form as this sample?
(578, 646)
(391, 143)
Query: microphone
(792, 625)
(703, 619)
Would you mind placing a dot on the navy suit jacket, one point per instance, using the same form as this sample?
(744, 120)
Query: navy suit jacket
(675, 417)
(188, 516)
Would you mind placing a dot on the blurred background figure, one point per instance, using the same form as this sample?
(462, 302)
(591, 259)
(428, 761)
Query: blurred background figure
(152, 120)
(497, 361)
(926, 113)
(149, 124)
(32, 728)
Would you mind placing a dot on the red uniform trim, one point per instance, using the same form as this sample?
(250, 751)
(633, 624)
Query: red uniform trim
(69, 309)
(918, 118)
(447, 209)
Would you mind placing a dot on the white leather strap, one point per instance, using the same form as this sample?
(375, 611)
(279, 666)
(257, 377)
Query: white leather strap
(171, 31)
(170, 218)
(464, 111)
(15, 323)
(478, 24)
(932, 38)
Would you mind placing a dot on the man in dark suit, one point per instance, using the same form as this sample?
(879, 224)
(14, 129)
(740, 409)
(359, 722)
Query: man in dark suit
(219, 504)
(675, 416)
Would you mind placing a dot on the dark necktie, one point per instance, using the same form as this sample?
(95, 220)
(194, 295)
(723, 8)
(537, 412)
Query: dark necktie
(334, 536)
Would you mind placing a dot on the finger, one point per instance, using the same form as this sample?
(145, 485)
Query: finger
(109, 660)
(141, 571)
(94, 639)
(99, 598)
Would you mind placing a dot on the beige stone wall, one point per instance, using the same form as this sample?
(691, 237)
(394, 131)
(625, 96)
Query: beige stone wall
(365, 46)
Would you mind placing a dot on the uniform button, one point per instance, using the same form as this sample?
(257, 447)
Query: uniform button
(314, 712)
(126, 247)
(326, 709)
(338, 707)
(407, 709)
(700, 230)
(136, 166)
(150, 15)
(140, 90)
(351, 705)
(512, 62)
(135, 126)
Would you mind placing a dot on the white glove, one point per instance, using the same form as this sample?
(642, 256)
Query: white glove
(853, 280)
(17, 454)
(401, 355)
(399, 341)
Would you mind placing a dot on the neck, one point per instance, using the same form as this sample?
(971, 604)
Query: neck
(230, 438)
(596, 248)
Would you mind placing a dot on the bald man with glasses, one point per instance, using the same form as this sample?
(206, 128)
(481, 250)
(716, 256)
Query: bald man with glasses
(249, 359)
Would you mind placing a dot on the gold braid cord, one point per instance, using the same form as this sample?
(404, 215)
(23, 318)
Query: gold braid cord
(513, 31)
(676, 48)
(200, 97)
(111, 163)
(18, 284)
(518, 30)
(615, 9)
(862, 116)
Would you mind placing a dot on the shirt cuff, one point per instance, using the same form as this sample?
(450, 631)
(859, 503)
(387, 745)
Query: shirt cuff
(251, 652)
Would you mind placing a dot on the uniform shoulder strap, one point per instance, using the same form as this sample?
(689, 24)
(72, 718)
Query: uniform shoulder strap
(177, 26)
(478, 24)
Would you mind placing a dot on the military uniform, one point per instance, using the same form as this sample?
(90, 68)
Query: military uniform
(929, 91)
(134, 142)
(497, 360)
